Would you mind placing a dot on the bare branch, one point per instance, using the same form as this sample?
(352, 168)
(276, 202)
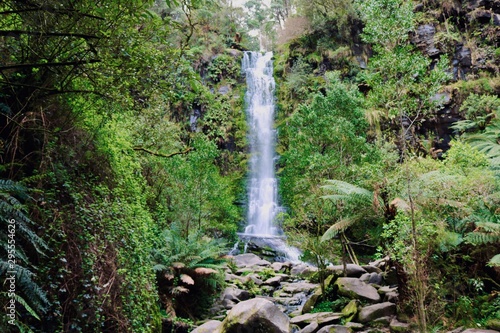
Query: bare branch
(50, 64)
(164, 155)
(14, 33)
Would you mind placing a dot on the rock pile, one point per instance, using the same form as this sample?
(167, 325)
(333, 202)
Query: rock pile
(264, 297)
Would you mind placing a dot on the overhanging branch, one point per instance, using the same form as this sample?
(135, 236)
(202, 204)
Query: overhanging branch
(50, 64)
(14, 33)
(155, 153)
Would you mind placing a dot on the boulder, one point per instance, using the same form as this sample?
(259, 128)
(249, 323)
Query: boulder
(354, 326)
(380, 263)
(229, 277)
(297, 287)
(352, 270)
(399, 327)
(280, 266)
(370, 278)
(311, 328)
(234, 294)
(211, 326)
(303, 270)
(274, 281)
(256, 315)
(372, 312)
(350, 310)
(311, 300)
(318, 317)
(371, 269)
(354, 288)
(335, 329)
(249, 259)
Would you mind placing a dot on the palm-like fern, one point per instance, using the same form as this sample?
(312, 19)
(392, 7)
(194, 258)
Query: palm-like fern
(29, 294)
(187, 265)
(487, 223)
(356, 199)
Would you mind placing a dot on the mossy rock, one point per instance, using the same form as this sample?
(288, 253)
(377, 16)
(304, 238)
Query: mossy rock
(493, 324)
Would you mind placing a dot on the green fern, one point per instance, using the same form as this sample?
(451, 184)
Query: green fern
(30, 295)
(487, 223)
(495, 261)
(177, 265)
(353, 198)
(340, 226)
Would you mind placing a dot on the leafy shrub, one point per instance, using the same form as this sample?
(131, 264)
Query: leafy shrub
(223, 67)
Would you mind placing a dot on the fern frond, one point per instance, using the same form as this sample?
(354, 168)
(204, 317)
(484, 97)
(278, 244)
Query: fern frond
(345, 188)
(480, 238)
(338, 227)
(495, 261)
(490, 227)
(439, 177)
(21, 301)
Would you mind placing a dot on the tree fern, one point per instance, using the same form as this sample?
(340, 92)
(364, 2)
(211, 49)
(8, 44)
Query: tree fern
(487, 141)
(487, 231)
(187, 265)
(339, 226)
(353, 198)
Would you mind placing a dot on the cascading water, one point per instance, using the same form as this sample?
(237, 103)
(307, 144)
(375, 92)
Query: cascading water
(263, 207)
(262, 190)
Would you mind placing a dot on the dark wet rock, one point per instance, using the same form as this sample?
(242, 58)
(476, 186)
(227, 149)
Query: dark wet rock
(370, 278)
(480, 15)
(424, 39)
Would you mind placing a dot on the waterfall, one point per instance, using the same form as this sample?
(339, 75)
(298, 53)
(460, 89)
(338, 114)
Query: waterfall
(262, 186)
(263, 207)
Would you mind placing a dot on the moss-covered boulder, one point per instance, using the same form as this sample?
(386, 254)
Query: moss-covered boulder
(256, 315)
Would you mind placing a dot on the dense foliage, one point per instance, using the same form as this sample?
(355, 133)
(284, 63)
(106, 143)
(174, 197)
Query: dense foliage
(123, 153)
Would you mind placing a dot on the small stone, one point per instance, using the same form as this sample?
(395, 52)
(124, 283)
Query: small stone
(399, 327)
(335, 329)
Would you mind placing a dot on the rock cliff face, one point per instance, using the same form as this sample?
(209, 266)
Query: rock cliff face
(465, 32)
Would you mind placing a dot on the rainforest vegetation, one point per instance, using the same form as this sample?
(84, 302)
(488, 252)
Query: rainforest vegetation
(123, 153)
